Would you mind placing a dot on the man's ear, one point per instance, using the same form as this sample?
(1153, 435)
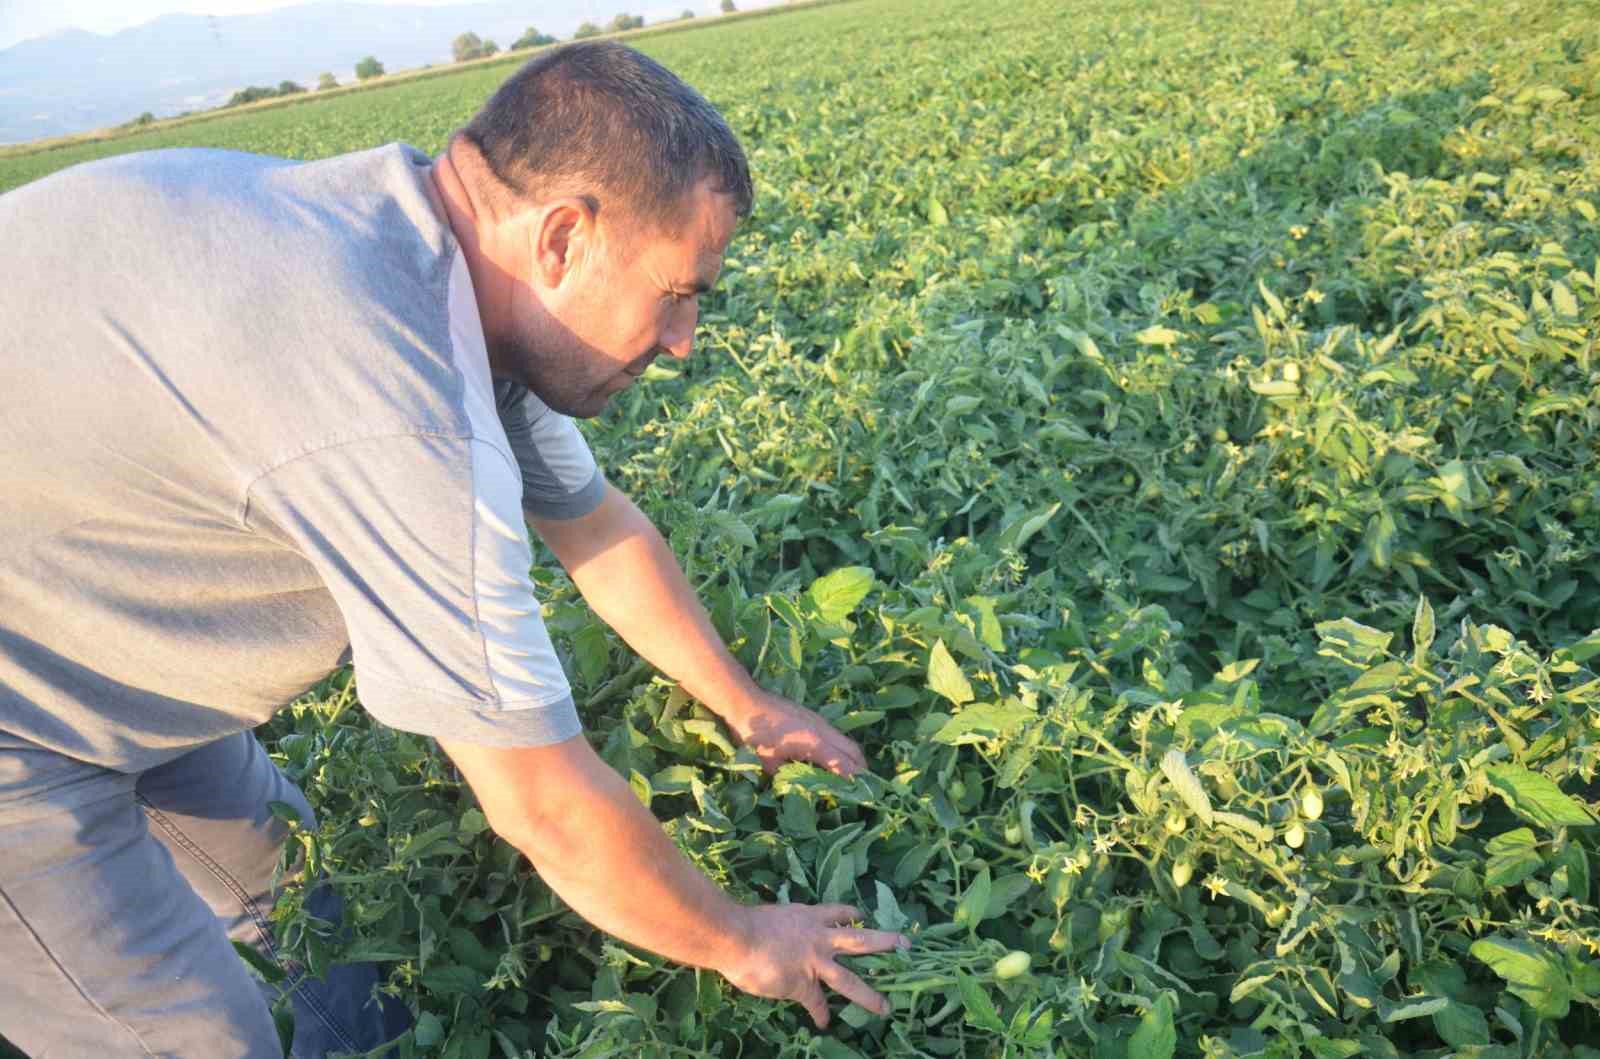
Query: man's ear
(563, 239)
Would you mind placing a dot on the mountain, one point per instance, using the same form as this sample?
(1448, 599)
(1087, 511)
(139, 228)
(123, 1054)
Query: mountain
(75, 80)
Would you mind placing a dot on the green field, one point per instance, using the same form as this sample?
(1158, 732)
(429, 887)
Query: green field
(1168, 438)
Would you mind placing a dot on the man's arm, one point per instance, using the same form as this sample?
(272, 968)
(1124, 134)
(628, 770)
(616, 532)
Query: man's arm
(592, 842)
(628, 574)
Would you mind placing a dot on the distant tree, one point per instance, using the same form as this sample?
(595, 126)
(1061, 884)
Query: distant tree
(368, 68)
(288, 88)
(532, 39)
(625, 22)
(687, 14)
(250, 94)
(145, 119)
(326, 81)
(728, 8)
(467, 46)
(489, 48)
(588, 29)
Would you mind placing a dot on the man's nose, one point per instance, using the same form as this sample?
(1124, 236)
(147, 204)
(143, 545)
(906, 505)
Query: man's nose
(679, 341)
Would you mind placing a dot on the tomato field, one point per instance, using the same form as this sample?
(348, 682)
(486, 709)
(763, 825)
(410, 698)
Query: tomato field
(1167, 438)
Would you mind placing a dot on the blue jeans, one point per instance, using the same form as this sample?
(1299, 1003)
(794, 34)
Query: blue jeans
(117, 910)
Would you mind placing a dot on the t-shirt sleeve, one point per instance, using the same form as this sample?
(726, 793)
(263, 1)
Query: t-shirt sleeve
(420, 541)
(560, 479)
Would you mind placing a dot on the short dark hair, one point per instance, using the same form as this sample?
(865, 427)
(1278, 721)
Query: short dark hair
(599, 119)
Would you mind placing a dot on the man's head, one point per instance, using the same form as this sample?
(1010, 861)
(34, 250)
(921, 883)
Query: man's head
(599, 194)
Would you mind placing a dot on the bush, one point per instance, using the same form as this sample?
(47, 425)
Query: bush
(326, 81)
(588, 29)
(368, 68)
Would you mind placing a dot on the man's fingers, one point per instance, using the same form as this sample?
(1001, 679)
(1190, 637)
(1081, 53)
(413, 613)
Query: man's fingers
(815, 1003)
(836, 915)
(845, 750)
(848, 985)
(853, 942)
(839, 753)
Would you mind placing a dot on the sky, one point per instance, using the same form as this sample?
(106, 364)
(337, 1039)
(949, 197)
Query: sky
(21, 19)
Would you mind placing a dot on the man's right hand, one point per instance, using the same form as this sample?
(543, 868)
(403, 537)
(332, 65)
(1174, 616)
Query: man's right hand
(596, 846)
(792, 953)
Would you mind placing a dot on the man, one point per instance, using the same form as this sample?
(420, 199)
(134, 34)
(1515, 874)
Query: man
(261, 417)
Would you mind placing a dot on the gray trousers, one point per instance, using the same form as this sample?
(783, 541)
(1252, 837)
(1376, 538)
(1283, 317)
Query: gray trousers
(116, 916)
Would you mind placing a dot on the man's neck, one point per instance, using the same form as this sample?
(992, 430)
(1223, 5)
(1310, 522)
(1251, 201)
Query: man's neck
(463, 213)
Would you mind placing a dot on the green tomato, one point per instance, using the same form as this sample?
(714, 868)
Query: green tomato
(1219, 435)
(957, 791)
(1295, 837)
(1111, 921)
(1311, 804)
(1013, 834)
(1012, 964)
(1182, 872)
(1176, 822)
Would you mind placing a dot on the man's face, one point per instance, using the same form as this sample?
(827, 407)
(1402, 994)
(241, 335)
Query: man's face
(626, 299)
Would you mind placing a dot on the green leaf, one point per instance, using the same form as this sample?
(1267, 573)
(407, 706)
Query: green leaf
(983, 721)
(989, 630)
(1412, 1007)
(1155, 1038)
(1004, 893)
(267, 969)
(980, 1009)
(1351, 642)
(1462, 1025)
(710, 733)
(1536, 798)
(975, 902)
(283, 1022)
(430, 1031)
(945, 676)
(1236, 671)
(832, 1048)
(1530, 973)
(592, 649)
(1019, 533)
(452, 979)
(1512, 858)
(1422, 631)
(1576, 862)
(1157, 336)
(961, 404)
(888, 916)
(1563, 301)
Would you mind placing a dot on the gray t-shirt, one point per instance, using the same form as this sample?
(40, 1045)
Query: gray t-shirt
(250, 433)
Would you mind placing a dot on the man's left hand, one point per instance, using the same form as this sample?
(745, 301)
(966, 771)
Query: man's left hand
(779, 730)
